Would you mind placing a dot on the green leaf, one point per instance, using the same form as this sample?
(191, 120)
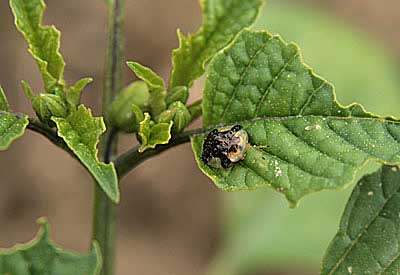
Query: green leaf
(156, 85)
(126, 109)
(261, 213)
(368, 239)
(222, 21)
(313, 142)
(73, 94)
(42, 256)
(178, 93)
(152, 135)
(44, 41)
(47, 106)
(178, 114)
(81, 132)
(12, 126)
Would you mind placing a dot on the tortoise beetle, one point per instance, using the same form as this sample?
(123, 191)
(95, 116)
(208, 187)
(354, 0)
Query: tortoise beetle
(223, 148)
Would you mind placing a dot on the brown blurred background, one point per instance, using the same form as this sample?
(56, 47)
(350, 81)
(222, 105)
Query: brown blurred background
(170, 214)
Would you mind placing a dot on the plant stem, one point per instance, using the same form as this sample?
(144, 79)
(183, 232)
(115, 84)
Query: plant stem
(104, 213)
(129, 160)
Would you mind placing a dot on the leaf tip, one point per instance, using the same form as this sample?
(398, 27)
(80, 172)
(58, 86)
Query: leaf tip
(44, 229)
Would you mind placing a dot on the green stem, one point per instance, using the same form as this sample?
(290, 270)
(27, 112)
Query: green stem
(104, 213)
(104, 228)
(129, 160)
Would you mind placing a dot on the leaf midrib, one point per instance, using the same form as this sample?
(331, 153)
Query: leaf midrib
(283, 118)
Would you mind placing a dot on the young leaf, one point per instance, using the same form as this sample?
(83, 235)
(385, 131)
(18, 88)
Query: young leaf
(222, 21)
(42, 256)
(178, 93)
(48, 105)
(73, 94)
(309, 142)
(152, 135)
(368, 239)
(126, 110)
(178, 114)
(81, 132)
(156, 85)
(12, 126)
(44, 41)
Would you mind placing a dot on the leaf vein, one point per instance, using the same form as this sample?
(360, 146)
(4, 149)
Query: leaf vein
(243, 74)
(308, 101)
(269, 87)
(305, 142)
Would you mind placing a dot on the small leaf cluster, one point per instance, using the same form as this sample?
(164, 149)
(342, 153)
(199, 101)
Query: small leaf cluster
(59, 105)
(158, 112)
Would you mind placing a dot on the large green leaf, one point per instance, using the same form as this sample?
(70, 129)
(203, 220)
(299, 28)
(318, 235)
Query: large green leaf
(44, 41)
(314, 143)
(156, 86)
(222, 20)
(81, 132)
(42, 257)
(12, 126)
(368, 238)
(261, 213)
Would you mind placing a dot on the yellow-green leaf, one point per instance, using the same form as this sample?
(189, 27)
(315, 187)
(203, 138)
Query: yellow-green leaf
(156, 86)
(73, 94)
(222, 21)
(178, 114)
(81, 132)
(152, 134)
(43, 41)
(12, 126)
(126, 111)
